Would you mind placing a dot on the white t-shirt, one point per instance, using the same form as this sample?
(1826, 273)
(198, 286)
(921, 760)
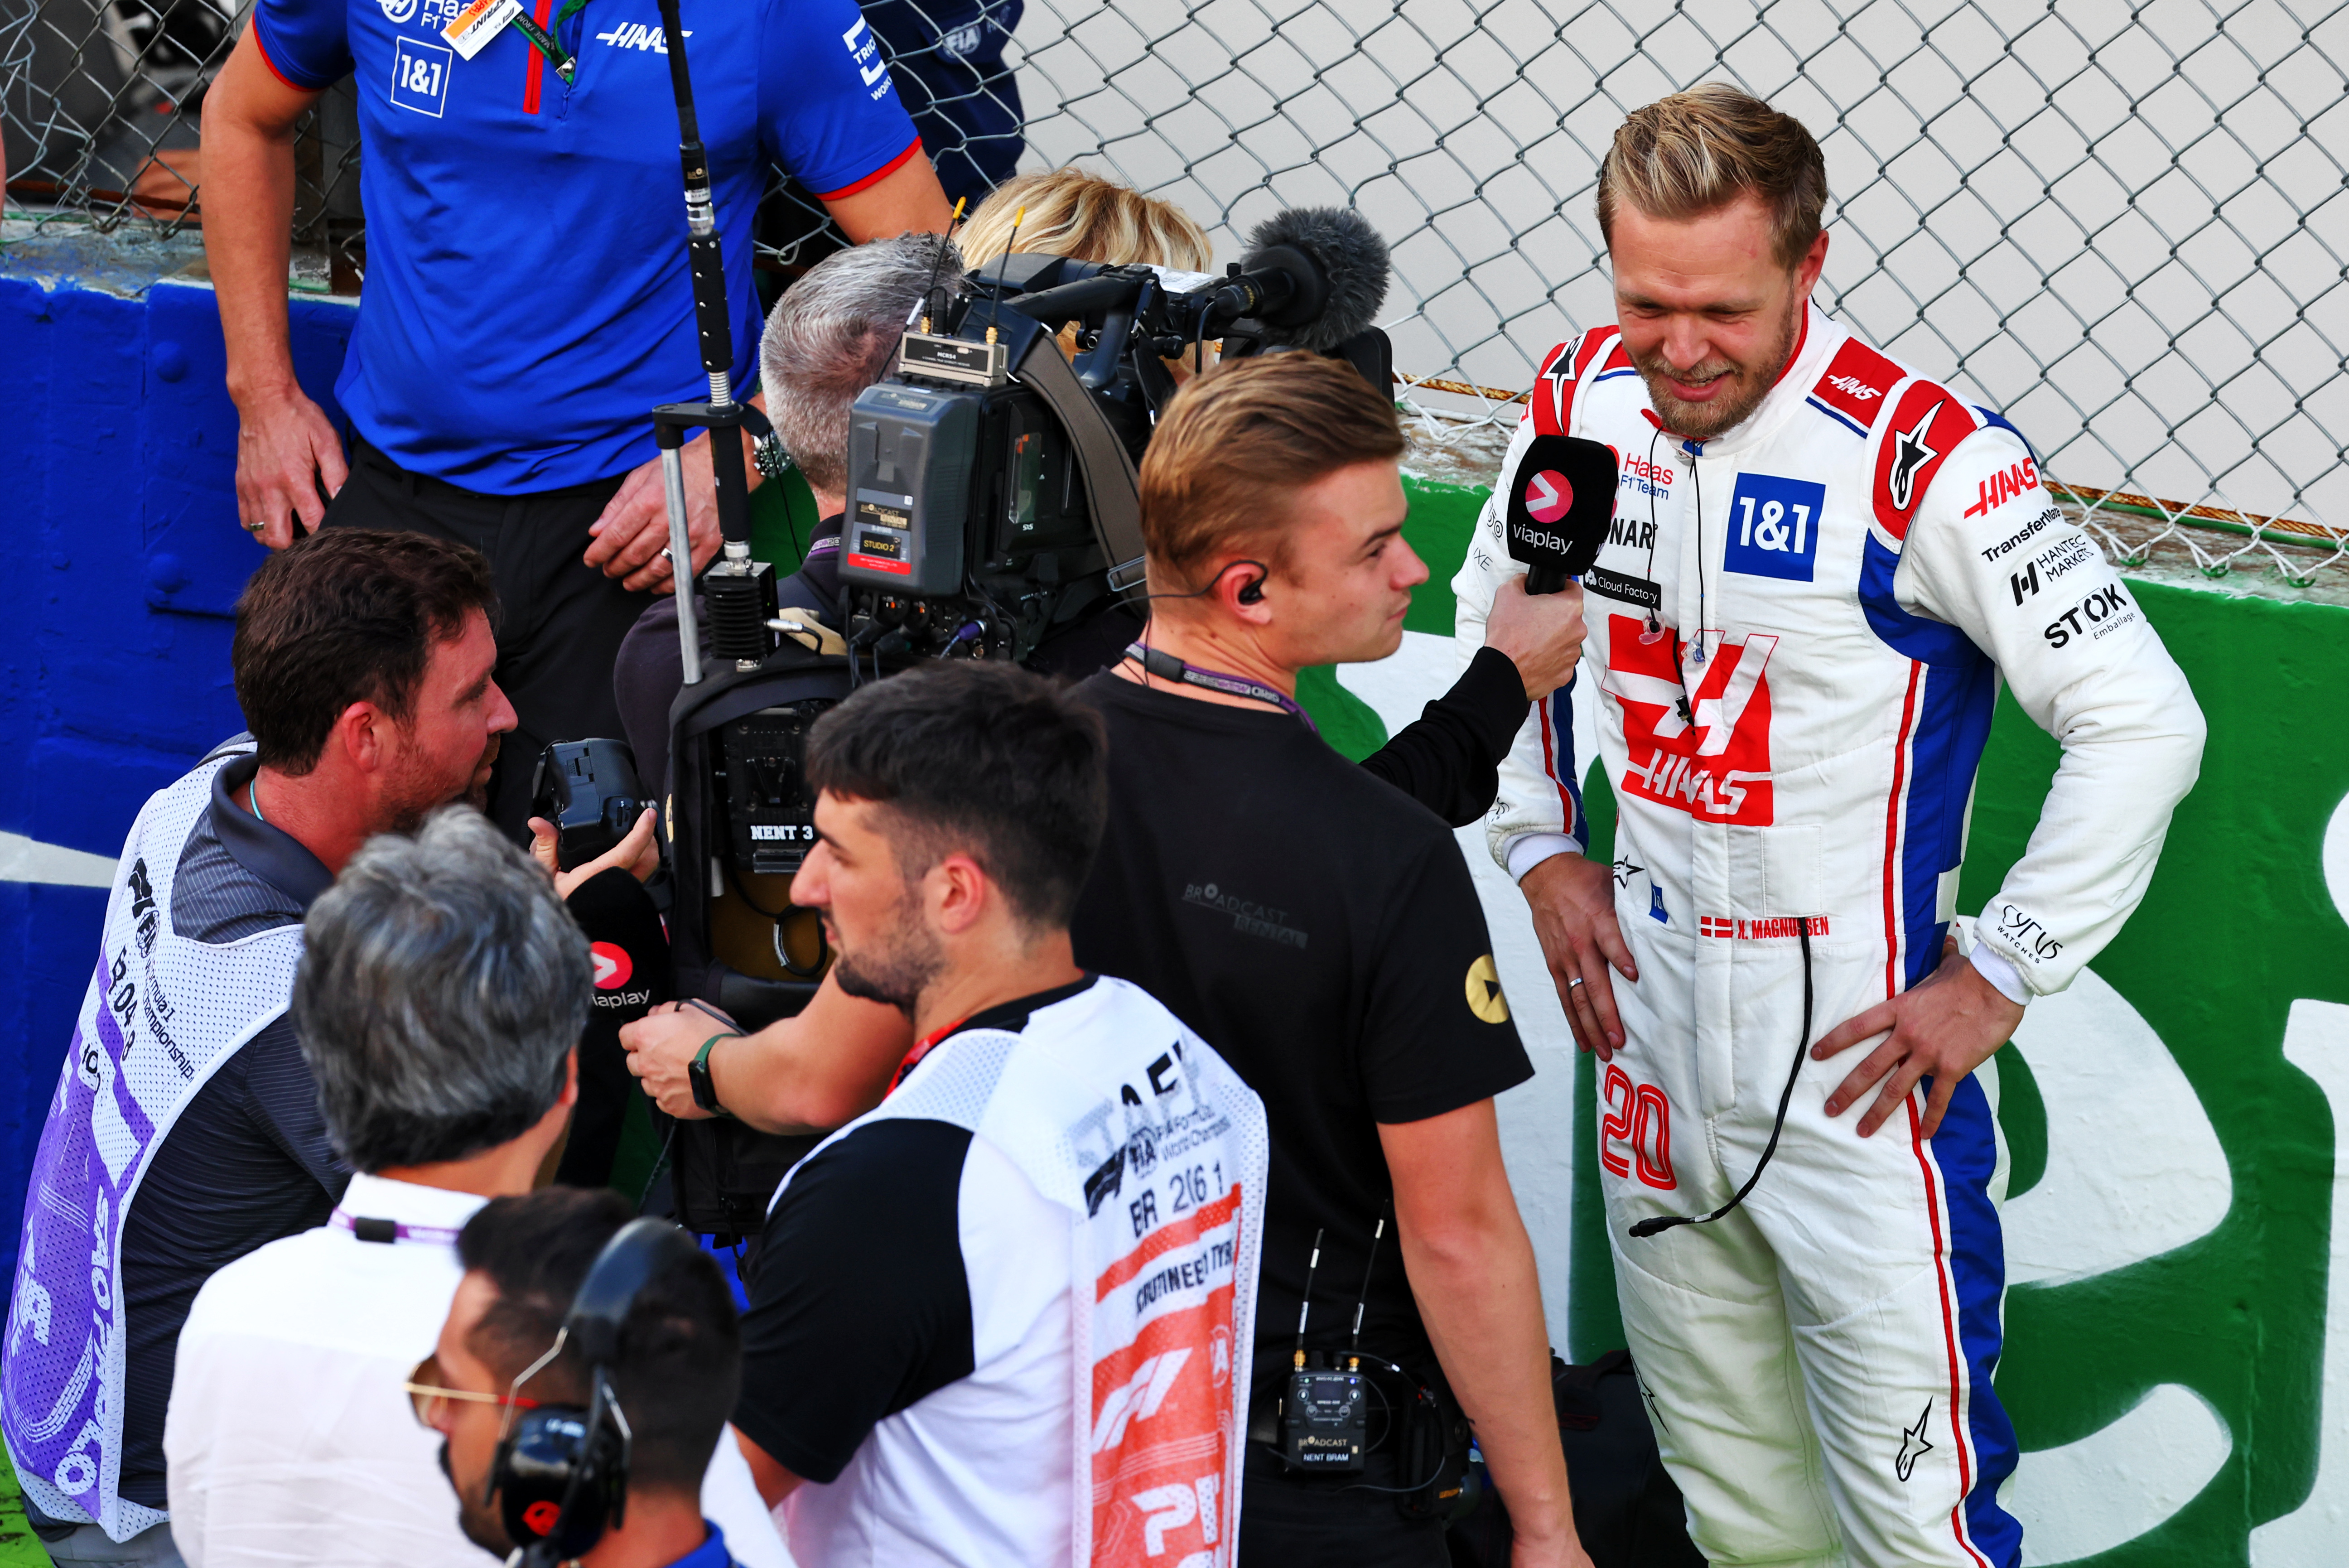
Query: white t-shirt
(290, 1440)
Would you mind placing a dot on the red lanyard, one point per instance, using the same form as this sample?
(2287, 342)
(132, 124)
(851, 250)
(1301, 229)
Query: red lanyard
(922, 1048)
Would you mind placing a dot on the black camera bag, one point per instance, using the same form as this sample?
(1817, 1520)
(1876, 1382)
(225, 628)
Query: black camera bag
(724, 1174)
(1626, 1509)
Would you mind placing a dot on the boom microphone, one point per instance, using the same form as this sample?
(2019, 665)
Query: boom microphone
(1561, 500)
(1315, 276)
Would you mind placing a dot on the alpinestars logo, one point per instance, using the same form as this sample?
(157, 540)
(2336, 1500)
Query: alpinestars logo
(1853, 387)
(1713, 763)
(1910, 454)
(1913, 1445)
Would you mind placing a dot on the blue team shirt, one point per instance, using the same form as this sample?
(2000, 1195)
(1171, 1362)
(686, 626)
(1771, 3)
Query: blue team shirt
(527, 299)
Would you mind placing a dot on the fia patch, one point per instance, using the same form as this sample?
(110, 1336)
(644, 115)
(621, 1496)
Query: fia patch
(1773, 527)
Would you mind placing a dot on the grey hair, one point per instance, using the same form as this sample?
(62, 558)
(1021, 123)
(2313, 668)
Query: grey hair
(442, 986)
(833, 333)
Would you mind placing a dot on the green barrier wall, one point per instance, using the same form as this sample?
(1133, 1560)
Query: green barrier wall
(2175, 1371)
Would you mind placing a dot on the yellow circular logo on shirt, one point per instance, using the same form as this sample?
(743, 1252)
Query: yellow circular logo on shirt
(1484, 998)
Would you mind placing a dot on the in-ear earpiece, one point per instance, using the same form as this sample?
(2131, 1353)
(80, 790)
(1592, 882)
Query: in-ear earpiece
(1251, 592)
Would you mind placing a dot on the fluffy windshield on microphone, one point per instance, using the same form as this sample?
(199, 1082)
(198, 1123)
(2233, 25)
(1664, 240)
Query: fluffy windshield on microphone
(1349, 254)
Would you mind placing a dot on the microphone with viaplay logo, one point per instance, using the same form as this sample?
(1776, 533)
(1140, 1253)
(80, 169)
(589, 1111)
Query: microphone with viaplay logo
(629, 952)
(1561, 500)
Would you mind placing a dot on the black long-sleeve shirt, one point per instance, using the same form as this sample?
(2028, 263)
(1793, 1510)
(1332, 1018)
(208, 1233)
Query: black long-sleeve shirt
(1449, 758)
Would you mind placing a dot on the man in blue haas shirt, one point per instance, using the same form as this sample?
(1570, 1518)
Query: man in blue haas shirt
(527, 295)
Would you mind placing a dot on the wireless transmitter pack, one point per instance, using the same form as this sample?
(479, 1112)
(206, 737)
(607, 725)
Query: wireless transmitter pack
(1325, 1413)
(1561, 501)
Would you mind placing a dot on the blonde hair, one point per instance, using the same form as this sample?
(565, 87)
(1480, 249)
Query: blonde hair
(1701, 150)
(1237, 441)
(1085, 216)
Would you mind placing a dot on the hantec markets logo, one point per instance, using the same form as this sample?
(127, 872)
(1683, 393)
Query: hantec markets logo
(398, 11)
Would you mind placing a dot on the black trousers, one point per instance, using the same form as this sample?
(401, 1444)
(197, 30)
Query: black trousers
(1287, 1524)
(560, 622)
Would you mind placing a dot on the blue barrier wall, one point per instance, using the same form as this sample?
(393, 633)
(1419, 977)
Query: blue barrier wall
(118, 445)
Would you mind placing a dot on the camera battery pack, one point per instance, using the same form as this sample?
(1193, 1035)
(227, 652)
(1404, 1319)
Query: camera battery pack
(909, 503)
(1323, 1420)
(769, 808)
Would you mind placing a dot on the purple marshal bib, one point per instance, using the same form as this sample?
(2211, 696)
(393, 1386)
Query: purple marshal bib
(161, 1015)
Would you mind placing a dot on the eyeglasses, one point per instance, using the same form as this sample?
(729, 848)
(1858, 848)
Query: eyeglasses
(430, 1398)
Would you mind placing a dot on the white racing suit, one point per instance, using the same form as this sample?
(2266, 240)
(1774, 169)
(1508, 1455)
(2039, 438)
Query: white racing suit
(1837, 586)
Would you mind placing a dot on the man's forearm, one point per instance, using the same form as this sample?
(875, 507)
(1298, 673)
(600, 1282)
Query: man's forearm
(815, 1072)
(248, 223)
(1480, 1296)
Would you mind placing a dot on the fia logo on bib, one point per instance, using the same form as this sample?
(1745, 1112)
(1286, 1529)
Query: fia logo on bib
(1773, 527)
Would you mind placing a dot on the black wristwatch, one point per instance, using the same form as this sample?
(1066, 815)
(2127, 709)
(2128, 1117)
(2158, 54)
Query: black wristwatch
(705, 1093)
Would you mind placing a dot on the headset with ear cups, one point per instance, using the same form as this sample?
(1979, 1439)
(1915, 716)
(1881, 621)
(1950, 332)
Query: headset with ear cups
(561, 1475)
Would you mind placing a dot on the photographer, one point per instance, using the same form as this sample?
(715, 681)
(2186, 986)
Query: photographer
(526, 1262)
(941, 1274)
(441, 994)
(363, 664)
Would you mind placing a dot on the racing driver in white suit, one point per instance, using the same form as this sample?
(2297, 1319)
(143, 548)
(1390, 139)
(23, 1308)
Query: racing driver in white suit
(1821, 567)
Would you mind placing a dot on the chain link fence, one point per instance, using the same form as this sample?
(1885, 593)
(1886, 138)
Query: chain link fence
(2122, 223)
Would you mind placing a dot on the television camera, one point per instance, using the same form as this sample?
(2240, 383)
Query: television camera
(992, 481)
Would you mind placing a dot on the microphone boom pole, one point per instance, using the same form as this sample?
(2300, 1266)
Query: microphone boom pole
(740, 591)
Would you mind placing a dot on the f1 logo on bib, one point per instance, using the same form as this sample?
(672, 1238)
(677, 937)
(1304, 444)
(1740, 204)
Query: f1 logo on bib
(1548, 496)
(611, 965)
(1773, 527)
(419, 75)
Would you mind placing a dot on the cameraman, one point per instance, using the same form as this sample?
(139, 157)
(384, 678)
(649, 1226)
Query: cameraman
(680, 1360)
(831, 335)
